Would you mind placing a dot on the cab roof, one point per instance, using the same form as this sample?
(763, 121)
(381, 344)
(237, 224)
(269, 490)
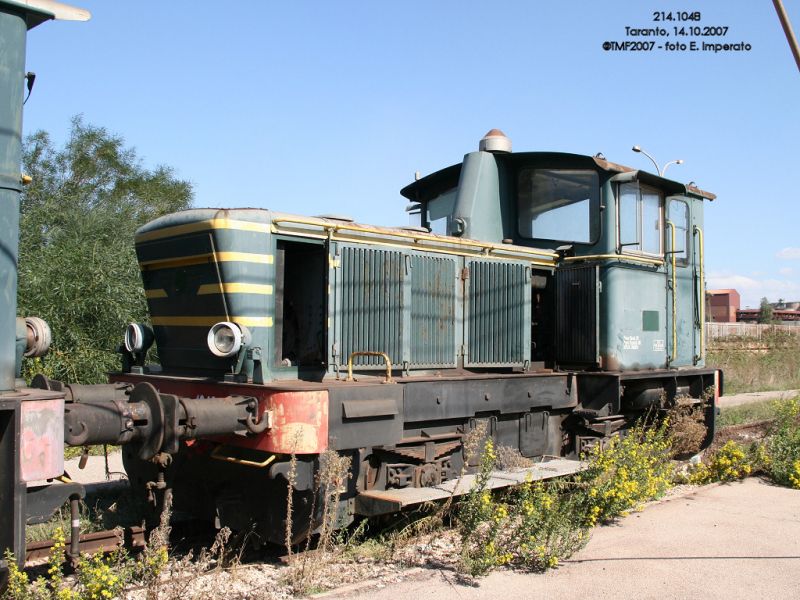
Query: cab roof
(434, 184)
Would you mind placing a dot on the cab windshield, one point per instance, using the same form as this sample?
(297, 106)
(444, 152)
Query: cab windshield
(559, 204)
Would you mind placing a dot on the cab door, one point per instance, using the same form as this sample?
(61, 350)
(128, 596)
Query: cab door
(682, 302)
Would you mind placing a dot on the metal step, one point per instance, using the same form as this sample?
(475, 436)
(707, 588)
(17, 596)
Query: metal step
(382, 502)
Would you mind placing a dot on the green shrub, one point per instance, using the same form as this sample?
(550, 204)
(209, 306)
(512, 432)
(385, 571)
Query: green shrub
(538, 524)
(752, 412)
(533, 526)
(729, 463)
(628, 471)
(549, 526)
(783, 445)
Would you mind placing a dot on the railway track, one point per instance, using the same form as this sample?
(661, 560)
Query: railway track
(131, 538)
(134, 538)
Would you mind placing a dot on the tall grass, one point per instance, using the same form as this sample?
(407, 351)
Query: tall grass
(755, 365)
(752, 412)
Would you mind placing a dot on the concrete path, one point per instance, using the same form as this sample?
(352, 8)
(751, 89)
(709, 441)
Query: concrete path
(731, 541)
(747, 398)
(95, 469)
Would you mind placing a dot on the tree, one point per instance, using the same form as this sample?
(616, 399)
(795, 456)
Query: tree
(77, 265)
(765, 313)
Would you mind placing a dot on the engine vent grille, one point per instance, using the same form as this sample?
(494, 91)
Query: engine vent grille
(433, 304)
(372, 304)
(499, 313)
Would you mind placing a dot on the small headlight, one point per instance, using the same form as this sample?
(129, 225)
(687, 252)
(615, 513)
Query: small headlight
(38, 337)
(138, 338)
(225, 339)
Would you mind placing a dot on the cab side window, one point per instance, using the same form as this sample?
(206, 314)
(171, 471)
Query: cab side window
(678, 215)
(439, 212)
(640, 219)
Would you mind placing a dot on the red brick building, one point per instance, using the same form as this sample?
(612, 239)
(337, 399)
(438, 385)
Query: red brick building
(722, 305)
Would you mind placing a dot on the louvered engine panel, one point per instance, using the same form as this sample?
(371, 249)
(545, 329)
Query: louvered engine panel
(433, 306)
(498, 314)
(577, 292)
(371, 304)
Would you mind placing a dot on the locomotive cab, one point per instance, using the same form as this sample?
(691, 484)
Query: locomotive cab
(627, 292)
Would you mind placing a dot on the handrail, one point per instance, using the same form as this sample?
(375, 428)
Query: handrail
(386, 359)
(485, 246)
(674, 349)
(217, 454)
(702, 299)
(641, 259)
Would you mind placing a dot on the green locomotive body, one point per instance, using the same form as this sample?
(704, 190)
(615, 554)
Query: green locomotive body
(550, 299)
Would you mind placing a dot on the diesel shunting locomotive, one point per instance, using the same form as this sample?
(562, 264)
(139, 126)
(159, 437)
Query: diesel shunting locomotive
(546, 299)
(550, 299)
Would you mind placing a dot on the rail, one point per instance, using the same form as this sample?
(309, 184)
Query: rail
(219, 454)
(656, 262)
(132, 538)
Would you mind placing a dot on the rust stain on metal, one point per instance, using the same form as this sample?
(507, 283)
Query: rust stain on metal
(607, 165)
(42, 443)
(299, 424)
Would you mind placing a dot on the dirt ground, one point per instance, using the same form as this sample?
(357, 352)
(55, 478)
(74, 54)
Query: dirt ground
(748, 397)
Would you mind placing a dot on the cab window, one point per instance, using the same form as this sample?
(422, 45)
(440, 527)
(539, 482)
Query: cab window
(559, 204)
(640, 219)
(439, 211)
(678, 215)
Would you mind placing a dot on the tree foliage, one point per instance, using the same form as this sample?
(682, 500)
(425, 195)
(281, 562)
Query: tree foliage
(77, 266)
(766, 312)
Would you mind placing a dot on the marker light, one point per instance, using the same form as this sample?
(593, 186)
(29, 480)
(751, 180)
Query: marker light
(495, 141)
(138, 338)
(226, 339)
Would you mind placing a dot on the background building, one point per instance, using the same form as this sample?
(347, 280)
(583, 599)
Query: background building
(722, 305)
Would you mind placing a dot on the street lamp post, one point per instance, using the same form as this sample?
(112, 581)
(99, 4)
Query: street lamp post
(672, 162)
(659, 170)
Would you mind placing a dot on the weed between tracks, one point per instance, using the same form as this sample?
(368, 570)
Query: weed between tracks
(96, 577)
(539, 524)
(98, 512)
(305, 572)
(769, 445)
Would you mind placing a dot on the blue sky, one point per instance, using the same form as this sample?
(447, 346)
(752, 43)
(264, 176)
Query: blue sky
(330, 107)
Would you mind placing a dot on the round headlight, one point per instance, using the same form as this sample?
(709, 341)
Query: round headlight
(138, 338)
(225, 339)
(38, 337)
